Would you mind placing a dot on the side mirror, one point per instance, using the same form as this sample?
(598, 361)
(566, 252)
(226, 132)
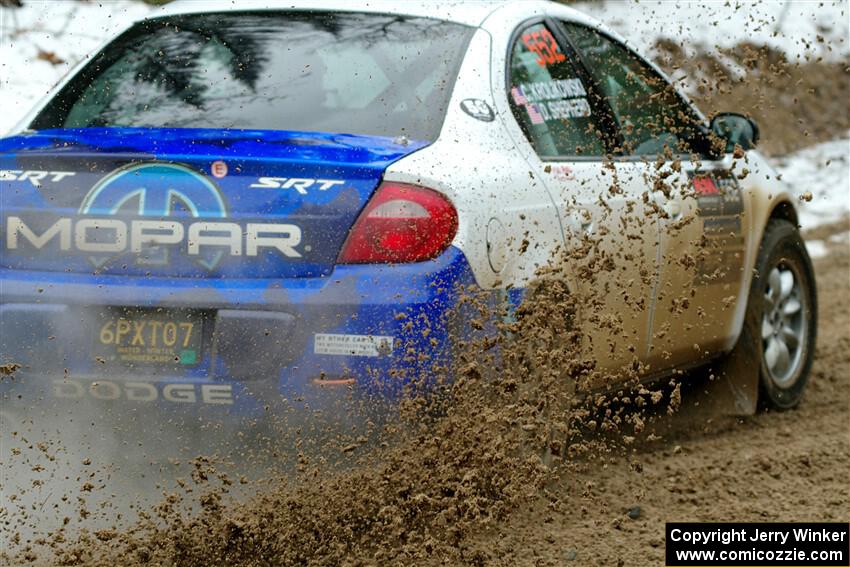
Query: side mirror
(735, 129)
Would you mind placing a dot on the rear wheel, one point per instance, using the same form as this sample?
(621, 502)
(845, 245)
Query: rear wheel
(782, 316)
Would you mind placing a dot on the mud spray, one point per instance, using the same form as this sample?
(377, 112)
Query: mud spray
(525, 411)
(524, 403)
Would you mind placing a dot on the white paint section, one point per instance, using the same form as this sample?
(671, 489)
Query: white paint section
(352, 345)
(484, 172)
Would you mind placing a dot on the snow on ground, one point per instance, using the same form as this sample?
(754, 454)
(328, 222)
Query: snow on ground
(816, 248)
(799, 28)
(824, 171)
(70, 30)
(821, 248)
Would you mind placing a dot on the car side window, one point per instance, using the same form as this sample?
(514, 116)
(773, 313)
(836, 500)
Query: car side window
(549, 99)
(652, 118)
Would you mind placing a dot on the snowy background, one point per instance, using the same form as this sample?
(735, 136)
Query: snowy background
(800, 28)
(42, 41)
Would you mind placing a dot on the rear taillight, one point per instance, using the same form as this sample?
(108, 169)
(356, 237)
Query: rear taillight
(401, 223)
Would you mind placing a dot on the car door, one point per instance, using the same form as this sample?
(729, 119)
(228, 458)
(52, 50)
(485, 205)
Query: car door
(611, 243)
(698, 201)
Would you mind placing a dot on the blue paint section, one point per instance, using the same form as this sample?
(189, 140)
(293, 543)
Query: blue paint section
(411, 303)
(317, 147)
(313, 183)
(259, 315)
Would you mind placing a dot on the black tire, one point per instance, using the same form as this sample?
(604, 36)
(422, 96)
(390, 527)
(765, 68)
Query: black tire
(782, 250)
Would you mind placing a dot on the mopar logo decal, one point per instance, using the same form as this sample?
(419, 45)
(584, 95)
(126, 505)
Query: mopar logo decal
(156, 190)
(173, 193)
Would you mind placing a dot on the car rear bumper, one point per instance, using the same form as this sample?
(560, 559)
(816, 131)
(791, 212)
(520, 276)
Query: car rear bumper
(361, 334)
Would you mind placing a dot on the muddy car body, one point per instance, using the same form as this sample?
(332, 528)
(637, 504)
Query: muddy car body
(322, 247)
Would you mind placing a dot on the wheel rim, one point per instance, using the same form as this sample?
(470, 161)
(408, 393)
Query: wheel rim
(783, 327)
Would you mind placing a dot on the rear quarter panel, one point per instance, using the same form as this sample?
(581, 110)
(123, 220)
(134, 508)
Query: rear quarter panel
(477, 165)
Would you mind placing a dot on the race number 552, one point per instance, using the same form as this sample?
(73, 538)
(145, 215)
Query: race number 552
(543, 43)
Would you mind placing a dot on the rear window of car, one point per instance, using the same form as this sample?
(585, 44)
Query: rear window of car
(371, 74)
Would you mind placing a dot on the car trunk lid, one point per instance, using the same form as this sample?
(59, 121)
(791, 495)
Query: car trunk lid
(185, 202)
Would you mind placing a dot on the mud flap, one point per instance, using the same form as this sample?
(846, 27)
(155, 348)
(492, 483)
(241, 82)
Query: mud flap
(735, 387)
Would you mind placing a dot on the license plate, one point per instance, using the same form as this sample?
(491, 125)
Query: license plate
(149, 337)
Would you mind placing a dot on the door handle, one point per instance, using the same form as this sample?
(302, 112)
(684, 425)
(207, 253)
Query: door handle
(673, 208)
(670, 205)
(583, 220)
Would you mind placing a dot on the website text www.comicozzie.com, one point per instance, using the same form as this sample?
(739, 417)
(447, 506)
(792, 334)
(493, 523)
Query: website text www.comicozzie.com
(760, 555)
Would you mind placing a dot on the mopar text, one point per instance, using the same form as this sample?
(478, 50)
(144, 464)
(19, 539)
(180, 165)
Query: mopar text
(111, 235)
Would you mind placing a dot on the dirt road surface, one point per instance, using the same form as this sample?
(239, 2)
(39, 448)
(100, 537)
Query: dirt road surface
(773, 467)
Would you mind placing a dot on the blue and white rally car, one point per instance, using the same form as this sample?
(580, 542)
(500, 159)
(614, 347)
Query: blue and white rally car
(232, 203)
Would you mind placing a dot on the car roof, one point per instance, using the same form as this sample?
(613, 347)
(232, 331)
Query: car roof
(467, 12)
